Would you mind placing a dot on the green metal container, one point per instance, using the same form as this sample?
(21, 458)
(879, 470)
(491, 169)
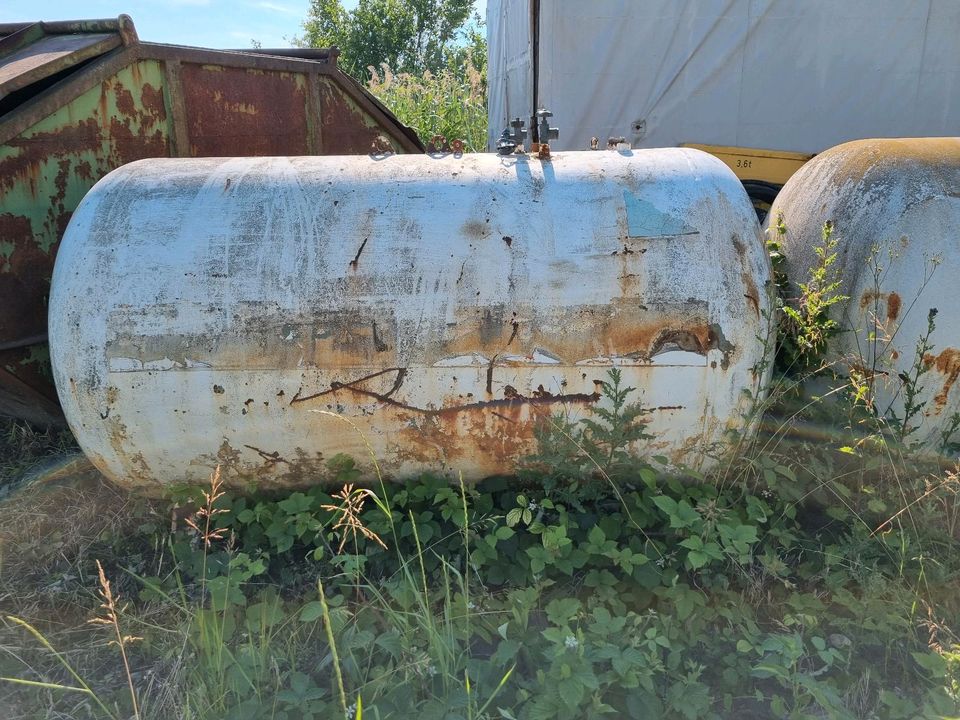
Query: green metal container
(78, 99)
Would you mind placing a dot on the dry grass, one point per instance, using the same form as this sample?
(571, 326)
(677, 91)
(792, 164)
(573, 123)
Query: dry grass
(52, 527)
(25, 448)
(48, 529)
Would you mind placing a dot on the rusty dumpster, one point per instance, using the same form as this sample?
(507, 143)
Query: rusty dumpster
(78, 99)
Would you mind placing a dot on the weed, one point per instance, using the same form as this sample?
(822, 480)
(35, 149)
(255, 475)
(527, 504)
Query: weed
(348, 516)
(806, 325)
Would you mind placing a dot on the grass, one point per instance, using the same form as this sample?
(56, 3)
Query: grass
(795, 581)
(815, 572)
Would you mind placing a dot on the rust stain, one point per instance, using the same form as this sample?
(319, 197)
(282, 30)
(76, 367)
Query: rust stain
(872, 162)
(893, 306)
(151, 99)
(84, 171)
(24, 275)
(125, 104)
(624, 329)
(752, 295)
(232, 111)
(36, 148)
(485, 437)
(139, 473)
(870, 297)
(127, 147)
(947, 363)
(510, 399)
(263, 339)
(345, 128)
(892, 300)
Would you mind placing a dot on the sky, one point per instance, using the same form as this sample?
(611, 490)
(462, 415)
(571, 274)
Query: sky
(203, 23)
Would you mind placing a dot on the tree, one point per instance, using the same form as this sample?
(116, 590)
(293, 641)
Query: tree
(411, 36)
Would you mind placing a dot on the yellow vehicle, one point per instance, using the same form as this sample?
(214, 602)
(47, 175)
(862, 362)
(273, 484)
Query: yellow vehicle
(762, 172)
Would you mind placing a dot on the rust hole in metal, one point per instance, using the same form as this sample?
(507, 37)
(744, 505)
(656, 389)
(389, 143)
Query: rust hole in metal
(508, 240)
(218, 389)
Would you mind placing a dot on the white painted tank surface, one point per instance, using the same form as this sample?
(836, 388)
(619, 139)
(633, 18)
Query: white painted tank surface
(204, 310)
(895, 209)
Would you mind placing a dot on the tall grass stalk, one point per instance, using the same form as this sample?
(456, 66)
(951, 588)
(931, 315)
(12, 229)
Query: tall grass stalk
(332, 641)
(111, 619)
(81, 687)
(451, 103)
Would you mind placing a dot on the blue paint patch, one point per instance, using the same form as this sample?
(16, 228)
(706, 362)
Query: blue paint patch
(646, 221)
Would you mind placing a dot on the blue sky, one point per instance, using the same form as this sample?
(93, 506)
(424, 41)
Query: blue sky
(204, 23)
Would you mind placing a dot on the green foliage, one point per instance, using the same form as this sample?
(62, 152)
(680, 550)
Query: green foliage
(912, 383)
(410, 36)
(451, 102)
(602, 587)
(426, 60)
(805, 322)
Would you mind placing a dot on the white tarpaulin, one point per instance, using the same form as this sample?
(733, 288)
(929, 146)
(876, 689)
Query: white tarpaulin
(798, 75)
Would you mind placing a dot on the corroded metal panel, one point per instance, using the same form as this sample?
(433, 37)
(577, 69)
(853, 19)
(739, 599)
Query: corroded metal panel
(442, 305)
(44, 172)
(347, 127)
(50, 55)
(112, 106)
(895, 209)
(243, 111)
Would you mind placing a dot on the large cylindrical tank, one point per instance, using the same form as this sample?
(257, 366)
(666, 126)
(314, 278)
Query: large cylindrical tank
(203, 311)
(895, 210)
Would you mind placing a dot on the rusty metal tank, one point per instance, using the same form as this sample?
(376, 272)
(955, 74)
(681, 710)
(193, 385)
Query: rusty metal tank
(895, 209)
(78, 99)
(268, 313)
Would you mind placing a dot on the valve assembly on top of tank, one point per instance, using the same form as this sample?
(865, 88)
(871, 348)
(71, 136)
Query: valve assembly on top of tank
(512, 137)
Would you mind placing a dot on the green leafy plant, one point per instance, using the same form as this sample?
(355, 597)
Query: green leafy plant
(806, 325)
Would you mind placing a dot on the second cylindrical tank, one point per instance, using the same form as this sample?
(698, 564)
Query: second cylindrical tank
(894, 207)
(268, 313)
